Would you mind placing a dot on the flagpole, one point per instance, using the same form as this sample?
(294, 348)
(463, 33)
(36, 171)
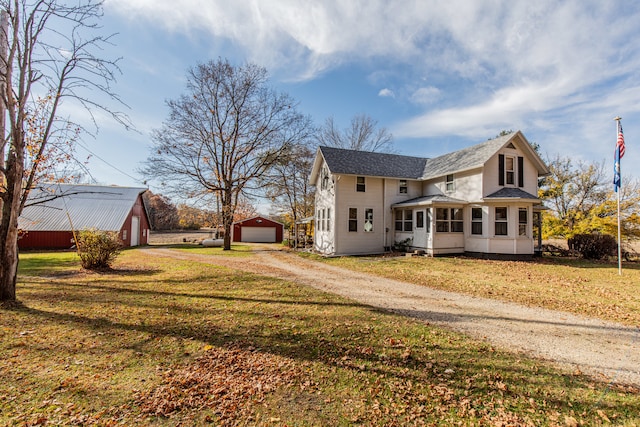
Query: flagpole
(617, 119)
(619, 247)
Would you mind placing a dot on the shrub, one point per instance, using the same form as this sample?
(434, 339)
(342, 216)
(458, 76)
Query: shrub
(403, 245)
(593, 246)
(98, 249)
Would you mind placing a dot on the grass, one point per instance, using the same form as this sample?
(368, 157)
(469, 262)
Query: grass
(593, 289)
(169, 342)
(236, 250)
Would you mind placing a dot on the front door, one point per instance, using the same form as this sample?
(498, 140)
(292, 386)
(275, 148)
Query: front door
(420, 231)
(135, 231)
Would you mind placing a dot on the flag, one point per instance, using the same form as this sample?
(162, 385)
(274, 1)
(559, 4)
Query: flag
(620, 142)
(616, 170)
(618, 155)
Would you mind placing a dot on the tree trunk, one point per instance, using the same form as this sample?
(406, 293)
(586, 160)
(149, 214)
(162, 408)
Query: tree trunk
(227, 235)
(8, 265)
(9, 237)
(227, 218)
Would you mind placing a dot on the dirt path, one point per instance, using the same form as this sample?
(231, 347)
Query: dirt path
(605, 350)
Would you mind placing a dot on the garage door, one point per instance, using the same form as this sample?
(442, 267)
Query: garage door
(258, 234)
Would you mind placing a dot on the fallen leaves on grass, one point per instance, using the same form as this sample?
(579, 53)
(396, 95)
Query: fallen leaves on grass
(227, 381)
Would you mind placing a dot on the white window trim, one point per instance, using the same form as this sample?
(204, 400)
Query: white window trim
(368, 223)
(403, 184)
(450, 221)
(514, 162)
(477, 221)
(526, 224)
(448, 183)
(349, 219)
(502, 221)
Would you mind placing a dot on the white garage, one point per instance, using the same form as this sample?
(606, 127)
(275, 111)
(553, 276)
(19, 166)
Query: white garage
(258, 234)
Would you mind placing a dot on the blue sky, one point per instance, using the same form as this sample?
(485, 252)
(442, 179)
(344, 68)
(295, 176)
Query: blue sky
(440, 75)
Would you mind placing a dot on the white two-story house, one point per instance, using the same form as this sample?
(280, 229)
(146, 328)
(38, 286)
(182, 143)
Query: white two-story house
(480, 200)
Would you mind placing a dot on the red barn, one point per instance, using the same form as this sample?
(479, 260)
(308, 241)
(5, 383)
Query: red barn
(257, 230)
(53, 211)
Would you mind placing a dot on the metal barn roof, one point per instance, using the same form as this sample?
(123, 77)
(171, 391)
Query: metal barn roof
(55, 207)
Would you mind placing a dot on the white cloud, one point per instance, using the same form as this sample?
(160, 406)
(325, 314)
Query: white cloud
(386, 93)
(425, 95)
(487, 65)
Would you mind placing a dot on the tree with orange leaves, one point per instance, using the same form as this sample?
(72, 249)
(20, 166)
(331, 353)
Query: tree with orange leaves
(46, 47)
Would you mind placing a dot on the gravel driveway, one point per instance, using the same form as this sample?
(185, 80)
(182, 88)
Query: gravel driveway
(608, 351)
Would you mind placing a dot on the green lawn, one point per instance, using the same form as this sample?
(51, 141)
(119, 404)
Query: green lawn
(167, 342)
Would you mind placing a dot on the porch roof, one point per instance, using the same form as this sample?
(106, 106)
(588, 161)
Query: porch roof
(429, 200)
(508, 193)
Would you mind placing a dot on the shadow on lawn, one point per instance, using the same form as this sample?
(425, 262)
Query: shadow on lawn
(137, 291)
(343, 343)
(584, 263)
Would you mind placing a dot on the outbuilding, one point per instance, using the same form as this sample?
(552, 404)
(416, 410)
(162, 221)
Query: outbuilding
(54, 211)
(257, 230)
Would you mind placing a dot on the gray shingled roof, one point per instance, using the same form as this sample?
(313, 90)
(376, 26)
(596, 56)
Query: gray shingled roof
(365, 163)
(351, 162)
(89, 206)
(511, 193)
(465, 159)
(426, 200)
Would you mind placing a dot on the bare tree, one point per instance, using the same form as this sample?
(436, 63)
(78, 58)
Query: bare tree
(223, 134)
(46, 56)
(363, 134)
(287, 184)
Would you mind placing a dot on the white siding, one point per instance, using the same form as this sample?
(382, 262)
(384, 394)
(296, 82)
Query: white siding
(323, 240)
(392, 196)
(381, 193)
(467, 186)
(490, 177)
(512, 243)
(360, 241)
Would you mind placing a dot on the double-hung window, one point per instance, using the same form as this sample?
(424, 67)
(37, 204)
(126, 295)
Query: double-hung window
(523, 220)
(360, 185)
(476, 221)
(442, 220)
(449, 183)
(509, 170)
(403, 189)
(457, 220)
(353, 219)
(508, 167)
(501, 221)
